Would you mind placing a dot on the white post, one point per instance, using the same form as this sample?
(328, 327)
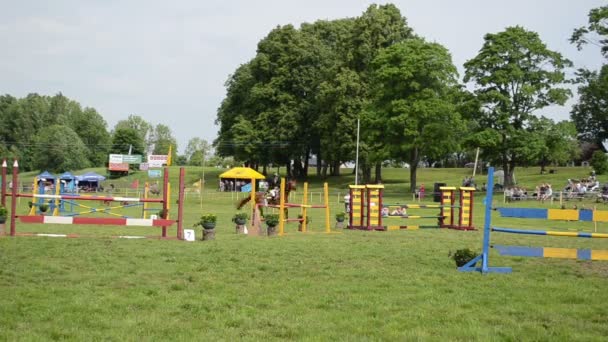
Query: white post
(476, 158)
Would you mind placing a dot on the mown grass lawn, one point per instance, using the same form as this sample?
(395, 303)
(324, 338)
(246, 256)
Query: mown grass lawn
(351, 285)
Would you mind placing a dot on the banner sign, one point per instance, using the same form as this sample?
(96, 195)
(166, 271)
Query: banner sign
(154, 173)
(132, 158)
(125, 158)
(157, 160)
(115, 158)
(118, 167)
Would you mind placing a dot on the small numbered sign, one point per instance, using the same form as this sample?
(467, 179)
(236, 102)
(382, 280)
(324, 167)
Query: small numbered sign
(189, 235)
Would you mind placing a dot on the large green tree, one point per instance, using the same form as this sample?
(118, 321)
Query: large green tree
(197, 151)
(412, 105)
(590, 114)
(595, 33)
(127, 139)
(515, 74)
(144, 129)
(63, 150)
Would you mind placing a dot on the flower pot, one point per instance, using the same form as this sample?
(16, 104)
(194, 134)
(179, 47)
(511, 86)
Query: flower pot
(209, 225)
(272, 230)
(341, 219)
(208, 234)
(240, 222)
(240, 229)
(340, 224)
(2, 219)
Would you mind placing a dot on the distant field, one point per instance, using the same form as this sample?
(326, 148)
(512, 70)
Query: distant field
(351, 285)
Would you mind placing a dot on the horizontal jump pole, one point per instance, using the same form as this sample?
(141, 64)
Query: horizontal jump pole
(130, 237)
(550, 233)
(96, 221)
(92, 198)
(550, 252)
(420, 206)
(410, 227)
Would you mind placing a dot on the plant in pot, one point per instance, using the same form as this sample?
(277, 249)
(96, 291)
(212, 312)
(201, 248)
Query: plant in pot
(207, 221)
(272, 220)
(162, 214)
(308, 220)
(340, 218)
(240, 219)
(3, 214)
(43, 208)
(462, 256)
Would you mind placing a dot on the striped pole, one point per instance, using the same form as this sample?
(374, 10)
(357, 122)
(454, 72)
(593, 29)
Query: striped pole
(180, 206)
(165, 197)
(550, 233)
(3, 199)
(14, 198)
(282, 210)
(549, 252)
(304, 207)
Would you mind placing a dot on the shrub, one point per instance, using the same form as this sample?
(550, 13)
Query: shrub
(271, 219)
(3, 211)
(462, 256)
(206, 219)
(162, 213)
(241, 216)
(43, 208)
(599, 162)
(340, 216)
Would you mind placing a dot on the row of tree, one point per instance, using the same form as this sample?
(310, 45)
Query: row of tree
(308, 90)
(57, 134)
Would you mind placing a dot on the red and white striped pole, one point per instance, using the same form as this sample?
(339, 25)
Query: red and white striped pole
(180, 205)
(165, 197)
(3, 200)
(14, 198)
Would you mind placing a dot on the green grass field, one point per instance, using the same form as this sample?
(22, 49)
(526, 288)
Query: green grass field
(350, 285)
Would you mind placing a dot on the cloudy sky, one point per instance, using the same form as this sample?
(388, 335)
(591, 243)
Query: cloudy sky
(167, 61)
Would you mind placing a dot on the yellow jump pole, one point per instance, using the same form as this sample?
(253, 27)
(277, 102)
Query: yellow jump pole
(168, 199)
(281, 208)
(56, 210)
(326, 192)
(304, 207)
(145, 209)
(34, 191)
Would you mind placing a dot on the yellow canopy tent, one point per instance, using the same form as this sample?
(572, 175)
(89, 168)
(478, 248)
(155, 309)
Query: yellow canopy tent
(242, 173)
(245, 173)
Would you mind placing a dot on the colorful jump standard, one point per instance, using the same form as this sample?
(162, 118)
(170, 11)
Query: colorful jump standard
(525, 251)
(366, 206)
(96, 220)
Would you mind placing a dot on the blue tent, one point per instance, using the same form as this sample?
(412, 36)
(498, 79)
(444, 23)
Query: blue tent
(68, 176)
(67, 182)
(46, 176)
(90, 177)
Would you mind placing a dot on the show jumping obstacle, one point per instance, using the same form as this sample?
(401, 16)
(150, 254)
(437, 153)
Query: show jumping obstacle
(524, 251)
(122, 221)
(283, 204)
(366, 209)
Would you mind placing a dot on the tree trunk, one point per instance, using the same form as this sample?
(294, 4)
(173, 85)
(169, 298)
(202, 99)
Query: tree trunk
(414, 159)
(336, 170)
(378, 179)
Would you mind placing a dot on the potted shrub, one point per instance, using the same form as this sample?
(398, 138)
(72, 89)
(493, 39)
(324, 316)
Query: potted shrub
(462, 256)
(240, 219)
(272, 220)
(208, 222)
(308, 220)
(43, 207)
(340, 218)
(3, 214)
(162, 214)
